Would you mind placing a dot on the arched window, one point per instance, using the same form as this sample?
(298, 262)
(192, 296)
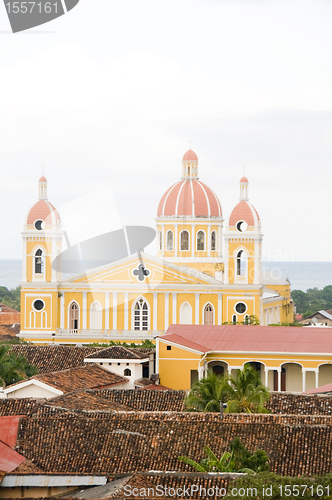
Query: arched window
(170, 240)
(234, 319)
(213, 241)
(141, 315)
(247, 319)
(160, 240)
(240, 264)
(73, 316)
(208, 314)
(186, 317)
(39, 262)
(127, 372)
(200, 240)
(184, 240)
(96, 316)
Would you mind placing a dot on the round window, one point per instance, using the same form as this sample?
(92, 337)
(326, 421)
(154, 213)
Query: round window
(40, 224)
(240, 308)
(38, 305)
(242, 226)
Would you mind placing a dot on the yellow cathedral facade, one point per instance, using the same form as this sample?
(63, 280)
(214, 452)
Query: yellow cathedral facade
(207, 270)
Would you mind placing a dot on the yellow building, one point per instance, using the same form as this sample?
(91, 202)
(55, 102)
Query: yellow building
(287, 358)
(205, 272)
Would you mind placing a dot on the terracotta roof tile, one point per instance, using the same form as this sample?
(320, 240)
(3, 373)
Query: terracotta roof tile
(119, 352)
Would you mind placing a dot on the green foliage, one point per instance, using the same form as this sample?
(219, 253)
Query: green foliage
(239, 459)
(14, 368)
(253, 487)
(11, 298)
(312, 300)
(146, 344)
(293, 323)
(253, 320)
(243, 394)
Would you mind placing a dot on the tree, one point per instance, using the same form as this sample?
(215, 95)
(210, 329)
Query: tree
(239, 459)
(248, 394)
(14, 368)
(243, 394)
(207, 393)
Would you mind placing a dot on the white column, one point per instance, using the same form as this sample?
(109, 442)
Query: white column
(157, 355)
(54, 273)
(256, 266)
(279, 379)
(316, 378)
(303, 379)
(196, 308)
(176, 239)
(62, 310)
(219, 309)
(219, 242)
(85, 310)
(266, 370)
(155, 311)
(115, 310)
(24, 261)
(174, 294)
(209, 240)
(166, 295)
(200, 372)
(126, 312)
(193, 240)
(163, 237)
(226, 277)
(107, 310)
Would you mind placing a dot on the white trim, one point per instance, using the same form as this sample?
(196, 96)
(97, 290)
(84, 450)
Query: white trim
(115, 310)
(133, 313)
(126, 311)
(213, 310)
(166, 198)
(97, 310)
(237, 312)
(200, 231)
(197, 308)
(178, 197)
(169, 249)
(175, 344)
(166, 299)
(155, 310)
(219, 308)
(107, 310)
(207, 198)
(26, 383)
(181, 313)
(192, 199)
(174, 306)
(180, 248)
(115, 360)
(79, 314)
(84, 310)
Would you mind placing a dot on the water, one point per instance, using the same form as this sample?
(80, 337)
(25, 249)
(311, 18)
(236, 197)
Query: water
(302, 275)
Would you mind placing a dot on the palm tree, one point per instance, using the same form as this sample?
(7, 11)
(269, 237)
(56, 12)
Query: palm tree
(248, 394)
(207, 393)
(13, 368)
(243, 394)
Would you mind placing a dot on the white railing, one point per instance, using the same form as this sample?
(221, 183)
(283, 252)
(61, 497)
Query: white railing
(138, 334)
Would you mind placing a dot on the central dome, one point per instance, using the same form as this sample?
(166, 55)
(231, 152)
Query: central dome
(189, 197)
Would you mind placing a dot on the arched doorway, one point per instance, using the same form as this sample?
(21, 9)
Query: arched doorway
(259, 367)
(96, 316)
(293, 377)
(218, 367)
(73, 316)
(325, 375)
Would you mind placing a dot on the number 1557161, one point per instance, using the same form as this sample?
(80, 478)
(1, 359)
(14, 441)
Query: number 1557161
(29, 7)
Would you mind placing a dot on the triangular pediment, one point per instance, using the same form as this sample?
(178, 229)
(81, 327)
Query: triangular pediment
(143, 269)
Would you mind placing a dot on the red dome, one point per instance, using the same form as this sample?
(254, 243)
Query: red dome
(189, 197)
(244, 179)
(45, 211)
(244, 211)
(42, 179)
(190, 155)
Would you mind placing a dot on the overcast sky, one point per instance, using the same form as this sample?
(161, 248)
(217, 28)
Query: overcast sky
(108, 96)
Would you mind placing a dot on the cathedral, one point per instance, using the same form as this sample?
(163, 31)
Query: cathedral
(207, 271)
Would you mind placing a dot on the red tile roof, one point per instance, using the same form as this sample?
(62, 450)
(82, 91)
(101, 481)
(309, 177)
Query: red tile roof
(119, 352)
(190, 155)
(244, 211)
(243, 338)
(9, 459)
(90, 376)
(155, 387)
(45, 211)
(321, 390)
